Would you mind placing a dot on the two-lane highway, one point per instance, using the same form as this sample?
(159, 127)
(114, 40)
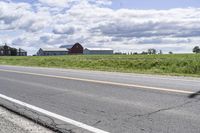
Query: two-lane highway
(111, 102)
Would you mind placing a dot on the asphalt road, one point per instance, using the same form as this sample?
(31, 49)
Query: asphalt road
(113, 102)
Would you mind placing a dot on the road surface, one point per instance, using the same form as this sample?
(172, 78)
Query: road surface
(107, 101)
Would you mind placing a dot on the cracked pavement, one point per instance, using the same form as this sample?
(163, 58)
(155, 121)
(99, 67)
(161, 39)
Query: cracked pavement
(111, 108)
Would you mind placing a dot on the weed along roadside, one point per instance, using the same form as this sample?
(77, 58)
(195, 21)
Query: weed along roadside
(176, 64)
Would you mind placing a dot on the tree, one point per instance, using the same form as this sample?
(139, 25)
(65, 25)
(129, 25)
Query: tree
(144, 52)
(160, 52)
(170, 52)
(196, 49)
(152, 51)
(13, 51)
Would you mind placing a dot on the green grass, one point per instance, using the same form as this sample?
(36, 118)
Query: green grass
(176, 64)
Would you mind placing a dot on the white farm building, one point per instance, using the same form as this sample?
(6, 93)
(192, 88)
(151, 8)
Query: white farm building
(99, 51)
(52, 51)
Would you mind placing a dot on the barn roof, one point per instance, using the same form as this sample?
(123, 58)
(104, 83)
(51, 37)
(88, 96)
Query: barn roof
(99, 49)
(54, 49)
(69, 46)
(66, 46)
(21, 50)
(2, 46)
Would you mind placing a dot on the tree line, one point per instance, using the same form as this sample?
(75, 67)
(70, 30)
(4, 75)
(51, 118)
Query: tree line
(150, 51)
(196, 49)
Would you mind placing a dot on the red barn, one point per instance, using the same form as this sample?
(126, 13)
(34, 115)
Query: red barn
(74, 49)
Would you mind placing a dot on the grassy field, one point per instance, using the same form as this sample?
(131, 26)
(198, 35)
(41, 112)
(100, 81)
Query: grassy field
(176, 64)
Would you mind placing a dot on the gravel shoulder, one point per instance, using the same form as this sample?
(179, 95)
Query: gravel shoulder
(12, 123)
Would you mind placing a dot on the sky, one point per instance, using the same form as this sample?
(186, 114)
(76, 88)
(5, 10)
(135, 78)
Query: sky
(154, 4)
(123, 25)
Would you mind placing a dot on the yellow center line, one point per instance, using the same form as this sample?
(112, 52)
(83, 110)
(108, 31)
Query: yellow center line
(102, 82)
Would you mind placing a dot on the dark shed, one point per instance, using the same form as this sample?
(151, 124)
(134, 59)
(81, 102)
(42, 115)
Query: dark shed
(7, 51)
(77, 48)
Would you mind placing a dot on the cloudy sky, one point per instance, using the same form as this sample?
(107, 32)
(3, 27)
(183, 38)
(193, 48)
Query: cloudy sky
(124, 25)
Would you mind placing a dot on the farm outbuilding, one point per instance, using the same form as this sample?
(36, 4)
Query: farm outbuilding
(52, 51)
(99, 51)
(21, 52)
(7, 51)
(74, 49)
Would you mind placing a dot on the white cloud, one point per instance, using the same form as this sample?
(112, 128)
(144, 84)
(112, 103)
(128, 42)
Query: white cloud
(68, 3)
(65, 29)
(102, 2)
(58, 3)
(141, 23)
(19, 16)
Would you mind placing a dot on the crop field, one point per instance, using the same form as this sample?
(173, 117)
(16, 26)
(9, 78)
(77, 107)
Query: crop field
(175, 64)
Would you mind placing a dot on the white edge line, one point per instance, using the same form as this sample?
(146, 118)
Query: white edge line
(59, 117)
(104, 82)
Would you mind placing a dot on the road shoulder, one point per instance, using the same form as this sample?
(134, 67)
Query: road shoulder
(13, 123)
